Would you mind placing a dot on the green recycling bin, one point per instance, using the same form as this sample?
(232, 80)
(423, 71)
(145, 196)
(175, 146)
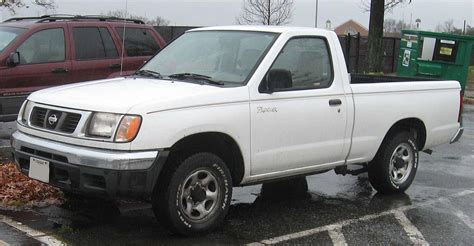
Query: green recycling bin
(437, 56)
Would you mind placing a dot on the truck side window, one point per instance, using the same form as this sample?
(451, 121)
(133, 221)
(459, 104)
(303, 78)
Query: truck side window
(308, 61)
(93, 43)
(43, 47)
(138, 41)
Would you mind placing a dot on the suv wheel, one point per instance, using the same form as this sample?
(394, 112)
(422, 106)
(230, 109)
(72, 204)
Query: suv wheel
(195, 197)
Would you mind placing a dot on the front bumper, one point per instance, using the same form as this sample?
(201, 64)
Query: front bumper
(91, 171)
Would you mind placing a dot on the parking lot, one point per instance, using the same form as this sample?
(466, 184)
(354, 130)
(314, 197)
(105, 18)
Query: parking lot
(437, 209)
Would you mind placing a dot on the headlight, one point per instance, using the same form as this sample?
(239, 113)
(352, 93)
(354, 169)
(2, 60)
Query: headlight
(103, 124)
(128, 128)
(23, 113)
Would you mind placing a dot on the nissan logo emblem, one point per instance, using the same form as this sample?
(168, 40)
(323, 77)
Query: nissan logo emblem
(52, 119)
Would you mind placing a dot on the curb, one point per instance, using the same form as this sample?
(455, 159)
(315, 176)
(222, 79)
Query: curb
(468, 100)
(35, 234)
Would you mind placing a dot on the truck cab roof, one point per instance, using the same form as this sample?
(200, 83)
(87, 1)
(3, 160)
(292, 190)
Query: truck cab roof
(273, 29)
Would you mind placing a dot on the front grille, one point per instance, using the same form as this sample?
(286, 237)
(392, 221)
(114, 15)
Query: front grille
(70, 123)
(54, 120)
(46, 155)
(38, 115)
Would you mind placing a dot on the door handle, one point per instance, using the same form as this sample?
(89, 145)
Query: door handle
(59, 70)
(114, 66)
(335, 102)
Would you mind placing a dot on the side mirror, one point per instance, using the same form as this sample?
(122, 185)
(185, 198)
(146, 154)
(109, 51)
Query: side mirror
(277, 79)
(14, 59)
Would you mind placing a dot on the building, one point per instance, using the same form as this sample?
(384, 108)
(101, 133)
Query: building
(353, 28)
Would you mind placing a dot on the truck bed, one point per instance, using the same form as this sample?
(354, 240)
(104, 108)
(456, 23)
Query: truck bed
(379, 101)
(371, 79)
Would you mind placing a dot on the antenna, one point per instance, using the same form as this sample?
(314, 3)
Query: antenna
(123, 36)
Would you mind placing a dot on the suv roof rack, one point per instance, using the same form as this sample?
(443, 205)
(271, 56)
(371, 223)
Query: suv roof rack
(52, 18)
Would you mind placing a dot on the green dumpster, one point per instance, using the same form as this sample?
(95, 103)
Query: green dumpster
(437, 56)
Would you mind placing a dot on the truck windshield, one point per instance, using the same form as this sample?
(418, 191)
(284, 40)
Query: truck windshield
(7, 35)
(223, 56)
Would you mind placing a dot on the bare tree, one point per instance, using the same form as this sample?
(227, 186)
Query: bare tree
(13, 5)
(157, 21)
(115, 13)
(448, 27)
(402, 25)
(266, 12)
(469, 30)
(375, 45)
(389, 4)
(390, 26)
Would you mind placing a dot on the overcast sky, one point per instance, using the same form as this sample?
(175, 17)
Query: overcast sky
(224, 12)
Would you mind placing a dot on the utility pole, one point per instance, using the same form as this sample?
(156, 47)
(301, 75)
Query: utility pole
(316, 15)
(411, 18)
(269, 11)
(464, 28)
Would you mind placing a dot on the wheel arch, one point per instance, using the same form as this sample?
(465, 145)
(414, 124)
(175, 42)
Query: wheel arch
(218, 143)
(413, 125)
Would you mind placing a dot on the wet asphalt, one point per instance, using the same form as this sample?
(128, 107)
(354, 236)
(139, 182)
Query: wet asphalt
(438, 209)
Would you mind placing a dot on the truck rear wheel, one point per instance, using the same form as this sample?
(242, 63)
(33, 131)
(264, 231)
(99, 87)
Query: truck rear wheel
(394, 166)
(195, 197)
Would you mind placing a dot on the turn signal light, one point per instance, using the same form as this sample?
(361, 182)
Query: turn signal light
(128, 128)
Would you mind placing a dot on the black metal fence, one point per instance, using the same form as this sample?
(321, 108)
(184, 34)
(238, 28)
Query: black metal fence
(355, 53)
(354, 48)
(169, 33)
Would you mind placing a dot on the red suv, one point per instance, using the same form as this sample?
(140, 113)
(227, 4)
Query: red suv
(39, 52)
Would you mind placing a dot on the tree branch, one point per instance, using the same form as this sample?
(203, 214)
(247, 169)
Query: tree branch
(265, 12)
(13, 5)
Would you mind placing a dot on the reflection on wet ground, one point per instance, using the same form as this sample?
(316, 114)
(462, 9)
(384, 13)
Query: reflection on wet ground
(258, 212)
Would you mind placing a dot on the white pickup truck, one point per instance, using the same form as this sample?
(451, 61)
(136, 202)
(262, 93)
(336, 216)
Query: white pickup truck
(231, 106)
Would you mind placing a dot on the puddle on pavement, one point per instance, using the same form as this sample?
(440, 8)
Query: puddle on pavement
(316, 192)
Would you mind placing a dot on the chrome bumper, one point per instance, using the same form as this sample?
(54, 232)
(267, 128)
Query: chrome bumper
(458, 135)
(82, 156)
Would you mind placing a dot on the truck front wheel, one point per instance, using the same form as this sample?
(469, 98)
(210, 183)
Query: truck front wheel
(394, 166)
(194, 197)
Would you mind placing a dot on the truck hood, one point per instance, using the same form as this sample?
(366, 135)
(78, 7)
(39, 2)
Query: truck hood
(136, 95)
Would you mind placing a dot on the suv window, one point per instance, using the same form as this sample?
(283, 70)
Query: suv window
(7, 35)
(304, 63)
(43, 47)
(138, 41)
(93, 43)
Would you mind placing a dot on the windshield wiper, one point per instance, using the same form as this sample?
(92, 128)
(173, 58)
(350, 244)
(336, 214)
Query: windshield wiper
(149, 73)
(195, 76)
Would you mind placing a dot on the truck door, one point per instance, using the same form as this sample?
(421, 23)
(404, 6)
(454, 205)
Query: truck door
(302, 123)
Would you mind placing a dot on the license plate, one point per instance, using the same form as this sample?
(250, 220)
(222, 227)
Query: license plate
(39, 169)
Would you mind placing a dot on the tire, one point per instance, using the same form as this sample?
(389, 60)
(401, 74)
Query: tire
(194, 198)
(395, 164)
